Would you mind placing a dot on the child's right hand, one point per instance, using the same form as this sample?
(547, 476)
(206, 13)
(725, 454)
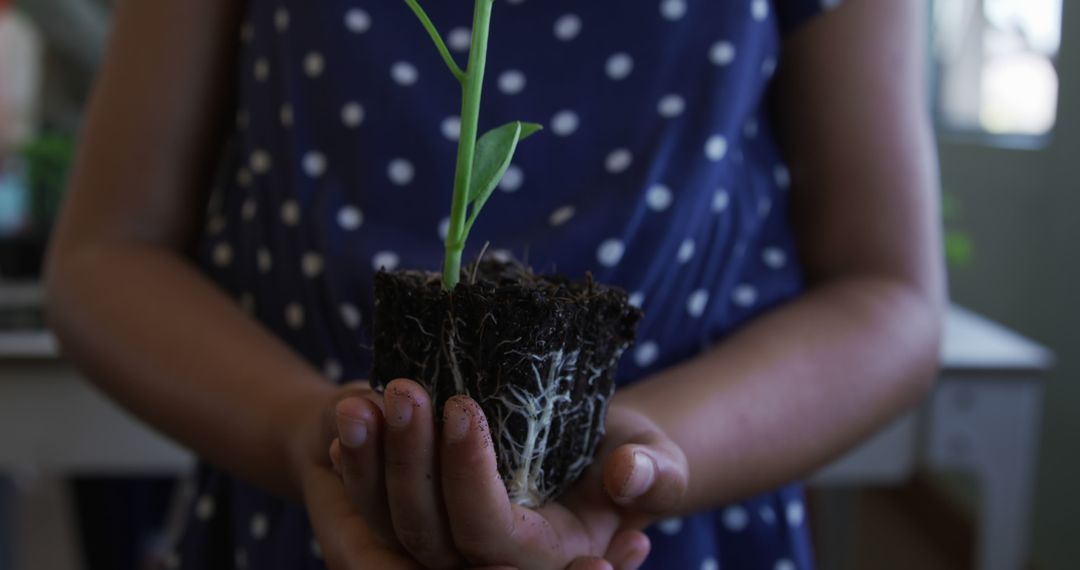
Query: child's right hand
(348, 540)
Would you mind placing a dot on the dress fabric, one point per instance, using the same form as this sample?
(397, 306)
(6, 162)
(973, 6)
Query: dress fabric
(658, 171)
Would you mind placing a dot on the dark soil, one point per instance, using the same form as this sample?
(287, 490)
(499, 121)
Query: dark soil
(537, 352)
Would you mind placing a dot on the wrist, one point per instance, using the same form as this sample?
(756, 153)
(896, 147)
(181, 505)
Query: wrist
(305, 433)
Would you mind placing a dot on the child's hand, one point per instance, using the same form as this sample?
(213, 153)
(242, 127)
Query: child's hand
(475, 521)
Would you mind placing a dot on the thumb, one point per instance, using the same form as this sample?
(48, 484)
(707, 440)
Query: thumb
(649, 477)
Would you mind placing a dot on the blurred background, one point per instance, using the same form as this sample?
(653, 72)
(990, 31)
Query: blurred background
(982, 476)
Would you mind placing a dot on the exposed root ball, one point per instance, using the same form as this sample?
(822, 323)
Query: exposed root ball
(537, 352)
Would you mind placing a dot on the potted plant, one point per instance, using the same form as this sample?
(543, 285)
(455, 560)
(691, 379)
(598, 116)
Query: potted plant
(537, 352)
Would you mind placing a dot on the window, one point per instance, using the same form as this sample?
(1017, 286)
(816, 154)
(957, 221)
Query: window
(995, 74)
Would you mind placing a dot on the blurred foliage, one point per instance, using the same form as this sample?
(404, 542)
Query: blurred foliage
(48, 159)
(959, 248)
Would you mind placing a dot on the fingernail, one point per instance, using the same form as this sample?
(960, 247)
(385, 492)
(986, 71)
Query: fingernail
(353, 432)
(641, 478)
(400, 409)
(455, 422)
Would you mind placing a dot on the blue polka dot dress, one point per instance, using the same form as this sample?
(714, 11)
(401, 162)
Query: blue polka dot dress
(658, 171)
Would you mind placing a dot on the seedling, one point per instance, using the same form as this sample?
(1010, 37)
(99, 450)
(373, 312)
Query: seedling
(538, 353)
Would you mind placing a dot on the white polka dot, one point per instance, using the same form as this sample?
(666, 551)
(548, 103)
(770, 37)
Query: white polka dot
(290, 213)
(636, 299)
(750, 129)
(501, 255)
(385, 260)
(459, 39)
(618, 160)
(352, 114)
(243, 178)
(294, 315)
(658, 198)
(281, 19)
(720, 200)
(316, 550)
(444, 228)
(671, 526)
(350, 218)
(784, 564)
(314, 64)
(223, 255)
(171, 560)
(512, 179)
(716, 148)
(216, 225)
(332, 369)
(767, 514)
(645, 353)
(619, 66)
(774, 257)
(350, 315)
(567, 27)
(794, 513)
(744, 295)
(451, 127)
(735, 518)
(248, 209)
(671, 106)
(564, 123)
(311, 264)
(285, 115)
(247, 303)
(400, 171)
(610, 252)
(314, 163)
(261, 70)
(404, 73)
(247, 32)
(511, 82)
(759, 9)
(768, 67)
(205, 507)
(722, 53)
(686, 251)
(673, 9)
(710, 563)
(782, 177)
(264, 260)
(764, 206)
(561, 215)
(357, 21)
(696, 303)
(260, 525)
(259, 161)
(240, 558)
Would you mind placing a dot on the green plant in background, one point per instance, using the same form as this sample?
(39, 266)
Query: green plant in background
(481, 163)
(48, 158)
(958, 246)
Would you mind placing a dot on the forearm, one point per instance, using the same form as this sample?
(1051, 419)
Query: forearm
(795, 388)
(167, 344)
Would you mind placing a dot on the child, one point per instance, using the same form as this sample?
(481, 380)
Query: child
(758, 174)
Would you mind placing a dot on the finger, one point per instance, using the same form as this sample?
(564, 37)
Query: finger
(628, 550)
(344, 539)
(649, 476)
(487, 528)
(414, 495)
(357, 457)
(589, 563)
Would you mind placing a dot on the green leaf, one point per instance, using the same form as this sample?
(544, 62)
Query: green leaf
(435, 37)
(494, 151)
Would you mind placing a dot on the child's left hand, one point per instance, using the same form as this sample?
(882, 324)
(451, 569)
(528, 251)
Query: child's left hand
(467, 517)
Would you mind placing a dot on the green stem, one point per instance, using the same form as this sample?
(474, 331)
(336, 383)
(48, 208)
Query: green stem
(472, 87)
(435, 37)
